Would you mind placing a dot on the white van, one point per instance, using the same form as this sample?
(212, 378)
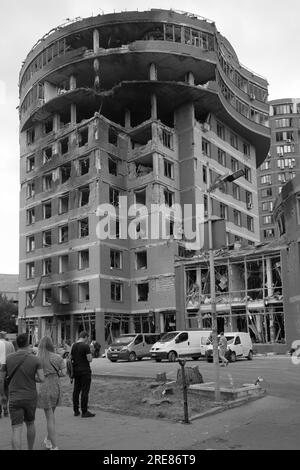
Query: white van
(239, 345)
(132, 346)
(188, 343)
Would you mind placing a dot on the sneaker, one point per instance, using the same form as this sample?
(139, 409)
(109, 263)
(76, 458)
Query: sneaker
(76, 413)
(54, 448)
(47, 443)
(88, 414)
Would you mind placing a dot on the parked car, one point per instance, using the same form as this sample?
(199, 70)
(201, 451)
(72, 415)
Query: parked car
(239, 345)
(175, 344)
(131, 346)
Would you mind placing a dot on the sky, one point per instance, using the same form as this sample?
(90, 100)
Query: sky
(264, 34)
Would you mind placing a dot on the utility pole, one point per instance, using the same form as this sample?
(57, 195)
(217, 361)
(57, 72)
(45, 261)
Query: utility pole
(210, 188)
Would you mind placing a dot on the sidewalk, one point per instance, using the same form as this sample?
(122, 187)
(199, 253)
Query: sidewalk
(267, 423)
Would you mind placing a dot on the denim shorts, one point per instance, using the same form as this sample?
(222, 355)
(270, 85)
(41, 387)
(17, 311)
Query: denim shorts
(22, 411)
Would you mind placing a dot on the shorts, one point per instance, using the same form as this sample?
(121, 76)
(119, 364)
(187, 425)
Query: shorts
(22, 411)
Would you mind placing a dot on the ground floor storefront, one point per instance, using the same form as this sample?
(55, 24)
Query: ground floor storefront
(101, 326)
(266, 325)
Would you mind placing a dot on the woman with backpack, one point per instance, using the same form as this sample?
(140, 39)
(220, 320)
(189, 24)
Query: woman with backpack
(50, 392)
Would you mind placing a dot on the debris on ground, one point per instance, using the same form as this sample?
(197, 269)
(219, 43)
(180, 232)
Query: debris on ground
(192, 376)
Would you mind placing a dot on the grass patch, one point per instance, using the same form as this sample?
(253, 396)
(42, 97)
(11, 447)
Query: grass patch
(126, 397)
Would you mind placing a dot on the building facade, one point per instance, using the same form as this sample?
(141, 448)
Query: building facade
(282, 162)
(287, 219)
(140, 105)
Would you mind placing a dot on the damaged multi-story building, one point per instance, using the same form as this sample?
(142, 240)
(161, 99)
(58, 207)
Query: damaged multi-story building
(135, 104)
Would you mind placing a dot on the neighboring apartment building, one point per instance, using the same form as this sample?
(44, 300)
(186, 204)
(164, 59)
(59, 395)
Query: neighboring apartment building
(282, 163)
(135, 104)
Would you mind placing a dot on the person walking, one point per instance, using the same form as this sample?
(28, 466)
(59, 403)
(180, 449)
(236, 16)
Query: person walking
(23, 369)
(223, 349)
(81, 357)
(49, 395)
(97, 348)
(6, 347)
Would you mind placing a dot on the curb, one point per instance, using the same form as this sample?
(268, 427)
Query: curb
(228, 406)
(271, 354)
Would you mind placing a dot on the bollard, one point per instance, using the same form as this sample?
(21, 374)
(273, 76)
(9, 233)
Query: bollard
(184, 387)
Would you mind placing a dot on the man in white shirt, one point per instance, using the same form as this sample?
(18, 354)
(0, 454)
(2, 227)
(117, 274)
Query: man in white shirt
(6, 348)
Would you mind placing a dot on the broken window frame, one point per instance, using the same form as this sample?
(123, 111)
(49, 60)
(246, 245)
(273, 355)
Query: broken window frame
(247, 174)
(48, 182)
(83, 137)
(47, 210)
(64, 145)
(65, 172)
(140, 196)
(30, 189)
(63, 263)
(30, 298)
(83, 199)
(222, 157)
(47, 154)
(116, 259)
(168, 169)
(114, 195)
(63, 203)
(30, 136)
(237, 218)
(83, 259)
(112, 136)
(46, 128)
(269, 233)
(141, 264)
(63, 233)
(83, 230)
(112, 166)
(83, 291)
(205, 147)
(30, 163)
(281, 224)
(250, 223)
(84, 166)
(234, 164)
(30, 243)
(30, 216)
(236, 191)
(223, 211)
(47, 238)
(30, 270)
(47, 267)
(169, 197)
(47, 297)
(64, 295)
(116, 291)
(142, 296)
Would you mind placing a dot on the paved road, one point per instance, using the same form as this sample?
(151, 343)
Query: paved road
(281, 376)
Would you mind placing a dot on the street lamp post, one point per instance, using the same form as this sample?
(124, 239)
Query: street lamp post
(210, 188)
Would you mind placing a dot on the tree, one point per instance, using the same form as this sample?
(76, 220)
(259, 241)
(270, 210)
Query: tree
(8, 313)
